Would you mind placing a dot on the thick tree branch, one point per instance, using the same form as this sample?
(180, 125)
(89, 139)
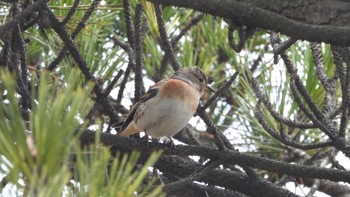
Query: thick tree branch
(230, 180)
(225, 156)
(37, 6)
(249, 13)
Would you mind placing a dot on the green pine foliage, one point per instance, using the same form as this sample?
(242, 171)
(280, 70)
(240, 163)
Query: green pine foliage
(42, 157)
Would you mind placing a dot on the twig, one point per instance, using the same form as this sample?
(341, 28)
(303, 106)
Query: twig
(220, 140)
(280, 135)
(5, 52)
(221, 90)
(3, 182)
(67, 39)
(174, 40)
(130, 33)
(8, 26)
(345, 87)
(313, 188)
(123, 84)
(315, 114)
(329, 84)
(317, 56)
(260, 116)
(125, 46)
(110, 86)
(166, 45)
(242, 39)
(281, 48)
(186, 27)
(26, 96)
(338, 61)
(163, 67)
(275, 114)
(230, 81)
(71, 12)
(101, 99)
(62, 54)
(193, 177)
(18, 64)
(138, 51)
(132, 63)
(334, 162)
(300, 87)
(310, 115)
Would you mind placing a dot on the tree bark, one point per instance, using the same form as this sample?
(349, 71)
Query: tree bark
(312, 20)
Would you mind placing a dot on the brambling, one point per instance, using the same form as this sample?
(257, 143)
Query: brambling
(168, 105)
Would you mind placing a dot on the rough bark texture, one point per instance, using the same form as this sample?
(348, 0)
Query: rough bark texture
(321, 21)
(315, 12)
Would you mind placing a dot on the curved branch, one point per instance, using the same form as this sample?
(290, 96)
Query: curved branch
(251, 15)
(277, 116)
(281, 137)
(225, 155)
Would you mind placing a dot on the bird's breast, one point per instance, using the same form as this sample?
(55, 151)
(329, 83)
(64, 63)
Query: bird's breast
(169, 111)
(182, 91)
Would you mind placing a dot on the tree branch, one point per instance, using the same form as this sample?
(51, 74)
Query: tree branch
(225, 156)
(8, 26)
(250, 14)
(167, 46)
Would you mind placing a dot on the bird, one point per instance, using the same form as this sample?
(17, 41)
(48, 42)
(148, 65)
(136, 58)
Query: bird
(168, 105)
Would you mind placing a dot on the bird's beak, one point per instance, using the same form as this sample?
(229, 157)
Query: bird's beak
(210, 80)
(210, 89)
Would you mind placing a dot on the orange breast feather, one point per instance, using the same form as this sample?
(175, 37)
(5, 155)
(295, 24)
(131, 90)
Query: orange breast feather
(177, 89)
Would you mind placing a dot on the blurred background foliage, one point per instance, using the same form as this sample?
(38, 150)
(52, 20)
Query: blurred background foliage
(61, 92)
(47, 160)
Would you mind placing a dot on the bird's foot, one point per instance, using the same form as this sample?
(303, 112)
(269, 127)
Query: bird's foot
(170, 142)
(146, 139)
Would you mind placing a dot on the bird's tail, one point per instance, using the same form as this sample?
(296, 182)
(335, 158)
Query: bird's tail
(131, 129)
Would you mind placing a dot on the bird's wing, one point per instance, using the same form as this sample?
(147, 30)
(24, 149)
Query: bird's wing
(152, 92)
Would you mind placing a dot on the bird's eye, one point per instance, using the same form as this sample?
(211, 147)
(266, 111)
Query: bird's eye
(200, 79)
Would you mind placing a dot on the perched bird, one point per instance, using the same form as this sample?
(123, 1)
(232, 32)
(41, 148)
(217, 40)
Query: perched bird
(168, 105)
